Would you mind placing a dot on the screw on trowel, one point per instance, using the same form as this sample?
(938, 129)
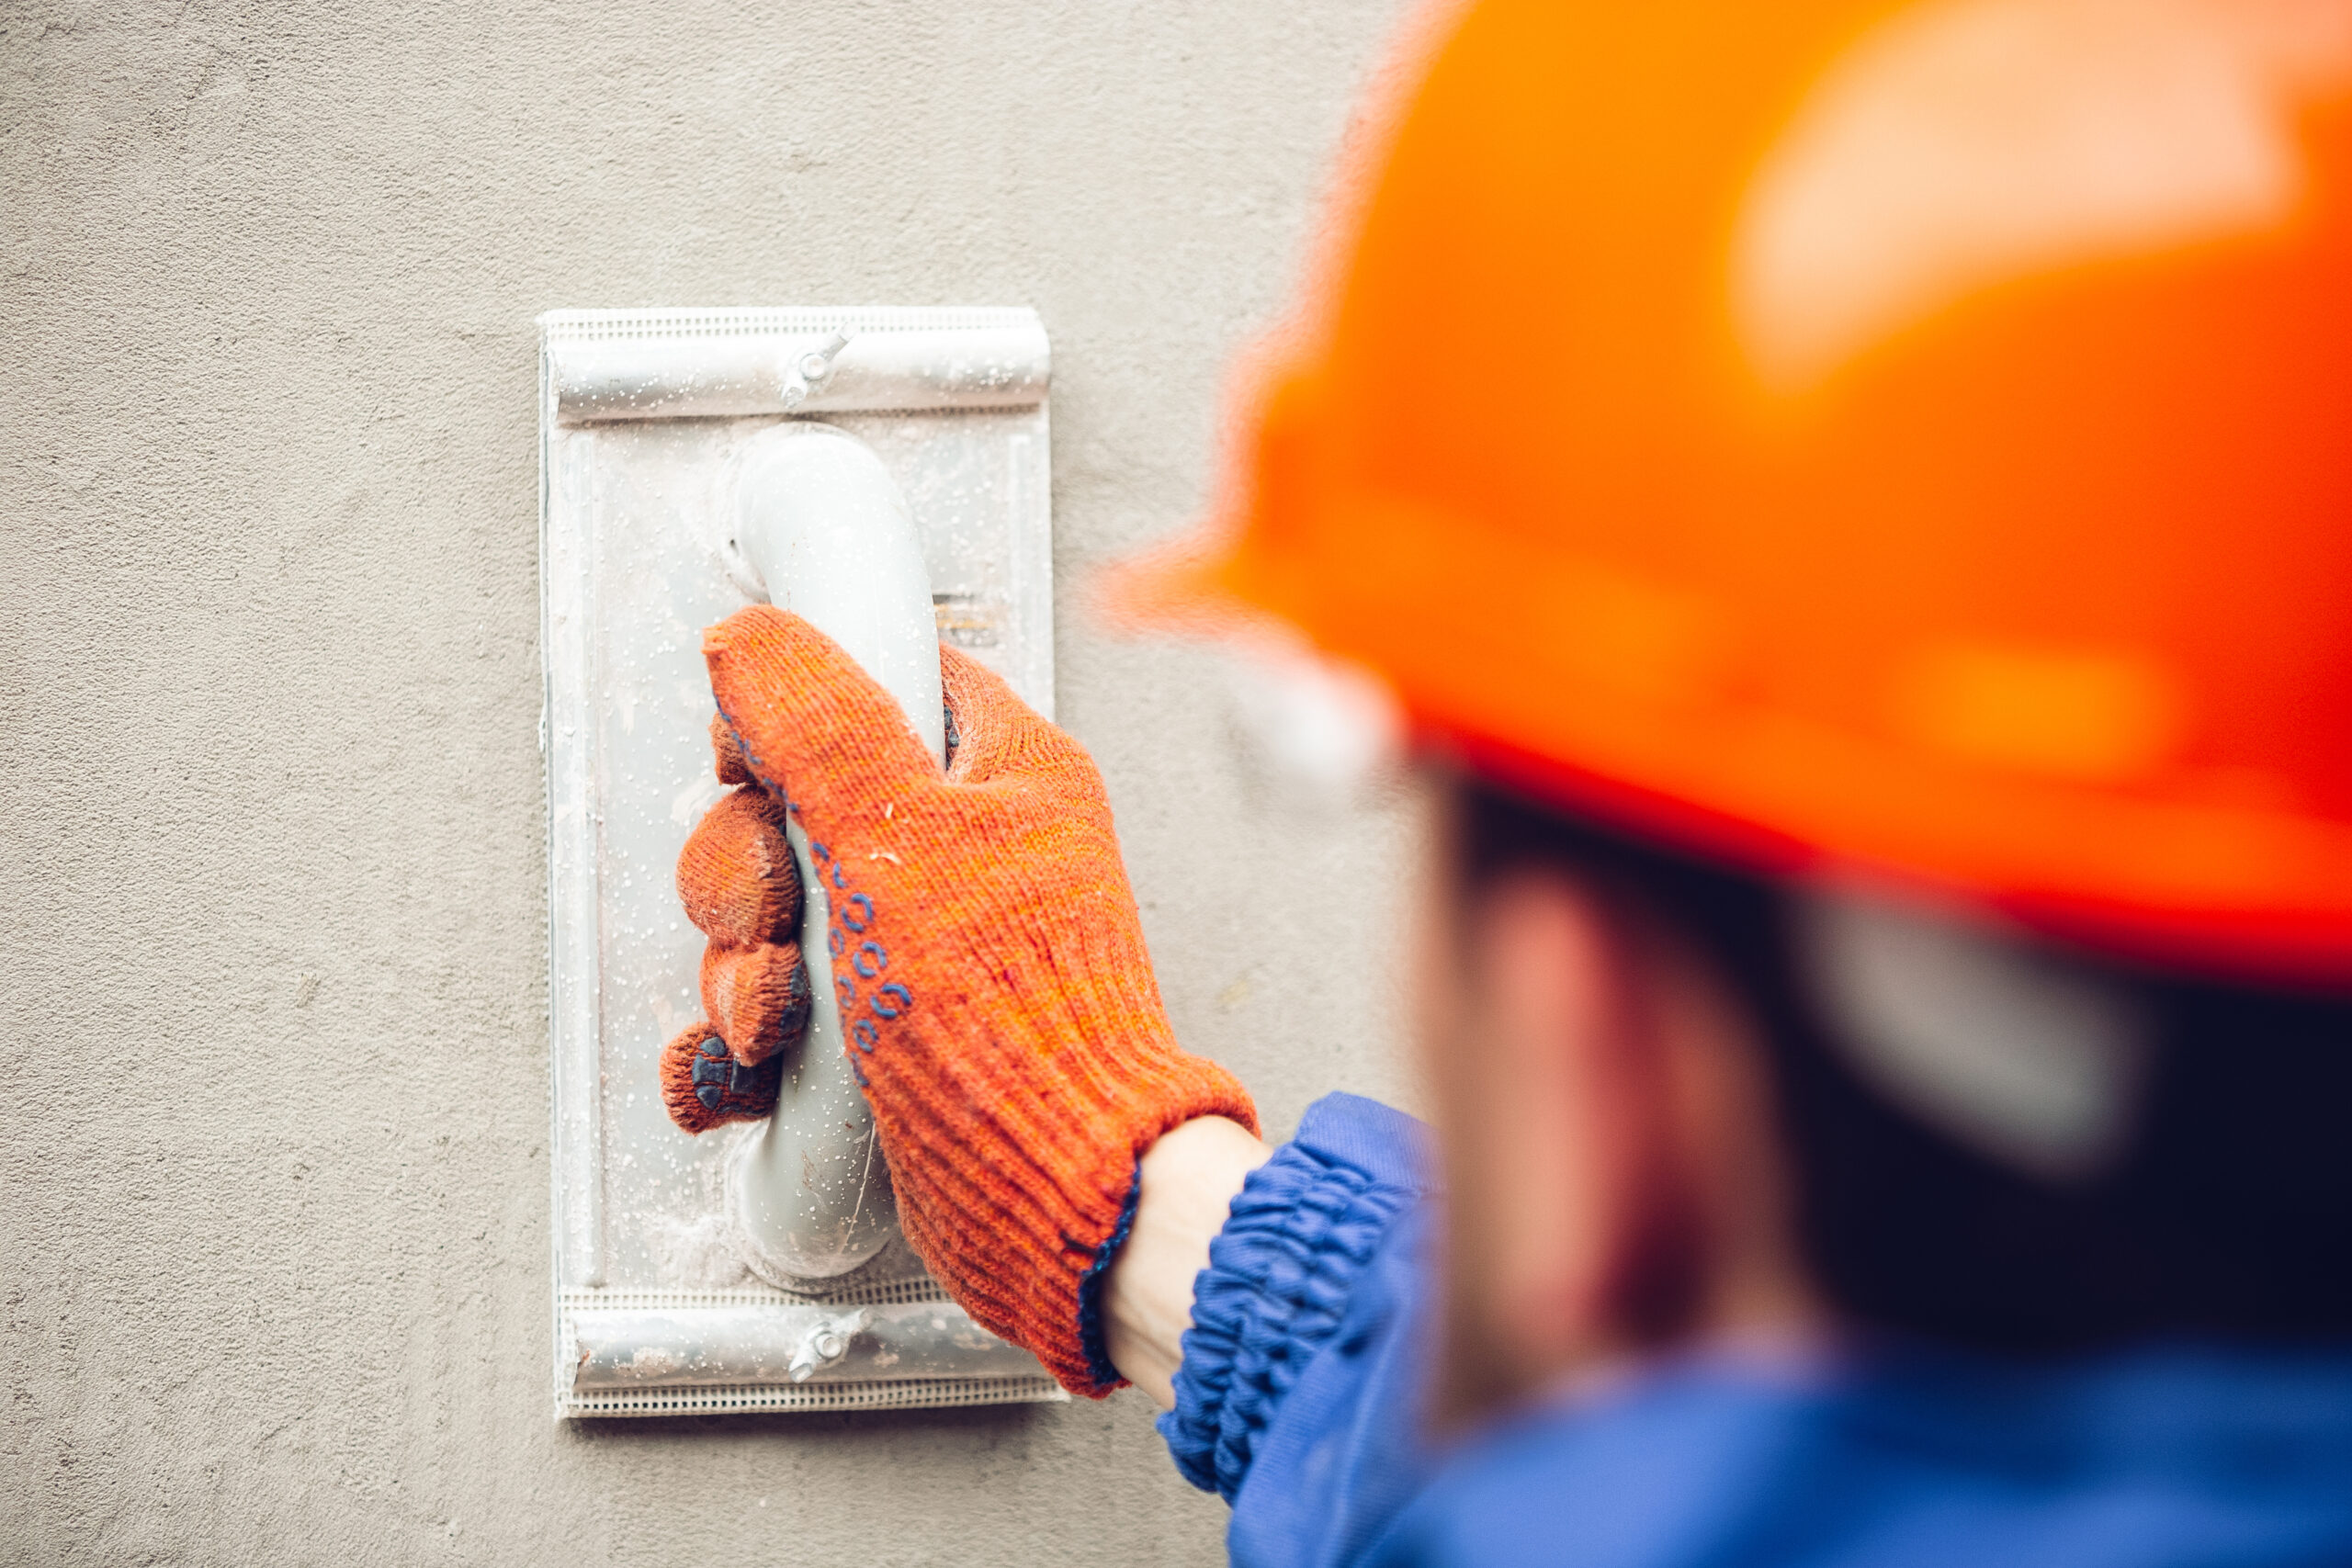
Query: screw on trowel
(826, 1343)
(811, 370)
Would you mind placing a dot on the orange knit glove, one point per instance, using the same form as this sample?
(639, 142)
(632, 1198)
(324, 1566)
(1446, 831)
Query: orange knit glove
(999, 1006)
(742, 889)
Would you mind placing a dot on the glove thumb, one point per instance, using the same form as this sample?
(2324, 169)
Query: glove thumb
(818, 733)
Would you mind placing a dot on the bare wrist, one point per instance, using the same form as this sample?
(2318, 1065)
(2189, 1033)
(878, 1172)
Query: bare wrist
(1189, 1179)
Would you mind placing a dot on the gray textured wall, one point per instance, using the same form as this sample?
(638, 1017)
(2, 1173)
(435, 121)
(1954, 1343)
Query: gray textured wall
(273, 1099)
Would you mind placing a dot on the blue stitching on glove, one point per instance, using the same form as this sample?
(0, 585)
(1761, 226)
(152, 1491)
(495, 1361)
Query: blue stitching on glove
(1090, 1290)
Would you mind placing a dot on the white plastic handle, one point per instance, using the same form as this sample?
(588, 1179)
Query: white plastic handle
(822, 530)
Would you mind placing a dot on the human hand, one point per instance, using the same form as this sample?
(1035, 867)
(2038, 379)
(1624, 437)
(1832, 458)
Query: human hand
(997, 1001)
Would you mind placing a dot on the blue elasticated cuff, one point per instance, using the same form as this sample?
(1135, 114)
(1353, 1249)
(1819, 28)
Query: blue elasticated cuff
(1279, 1276)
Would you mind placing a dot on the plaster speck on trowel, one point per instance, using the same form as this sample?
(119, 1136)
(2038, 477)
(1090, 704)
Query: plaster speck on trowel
(698, 1252)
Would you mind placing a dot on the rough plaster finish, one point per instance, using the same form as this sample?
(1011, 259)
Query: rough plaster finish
(273, 1170)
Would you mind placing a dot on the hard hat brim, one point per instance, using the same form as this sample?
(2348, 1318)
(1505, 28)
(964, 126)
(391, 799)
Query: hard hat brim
(2217, 888)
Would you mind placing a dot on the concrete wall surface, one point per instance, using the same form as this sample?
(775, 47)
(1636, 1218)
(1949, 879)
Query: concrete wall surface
(273, 1046)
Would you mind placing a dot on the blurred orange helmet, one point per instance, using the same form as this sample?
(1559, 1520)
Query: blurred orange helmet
(1905, 439)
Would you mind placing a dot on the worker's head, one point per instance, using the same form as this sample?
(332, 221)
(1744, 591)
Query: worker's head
(1882, 467)
(1679, 1102)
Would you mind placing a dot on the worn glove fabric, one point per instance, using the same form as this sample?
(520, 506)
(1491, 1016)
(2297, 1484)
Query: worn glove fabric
(740, 886)
(997, 1000)
(703, 1086)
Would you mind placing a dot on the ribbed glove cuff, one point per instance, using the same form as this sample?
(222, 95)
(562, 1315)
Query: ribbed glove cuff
(1021, 1229)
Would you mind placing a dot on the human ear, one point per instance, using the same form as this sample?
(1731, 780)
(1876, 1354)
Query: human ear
(1570, 1232)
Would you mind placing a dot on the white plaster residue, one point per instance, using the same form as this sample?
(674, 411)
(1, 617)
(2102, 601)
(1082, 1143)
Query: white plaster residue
(687, 807)
(701, 1254)
(1965, 142)
(652, 1363)
(670, 1013)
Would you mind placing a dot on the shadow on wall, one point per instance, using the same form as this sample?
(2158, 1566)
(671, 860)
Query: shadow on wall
(995, 1422)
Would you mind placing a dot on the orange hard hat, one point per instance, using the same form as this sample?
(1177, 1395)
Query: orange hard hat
(1911, 440)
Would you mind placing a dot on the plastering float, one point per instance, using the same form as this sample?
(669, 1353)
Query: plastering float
(882, 472)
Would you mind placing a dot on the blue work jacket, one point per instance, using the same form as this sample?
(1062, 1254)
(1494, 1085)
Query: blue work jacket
(1299, 1395)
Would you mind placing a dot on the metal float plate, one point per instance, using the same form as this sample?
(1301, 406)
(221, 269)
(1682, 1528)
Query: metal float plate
(639, 412)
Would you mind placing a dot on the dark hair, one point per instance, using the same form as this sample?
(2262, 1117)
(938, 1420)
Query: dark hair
(2229, 1215)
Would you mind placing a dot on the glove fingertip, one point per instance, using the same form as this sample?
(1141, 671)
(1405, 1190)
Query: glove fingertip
(703, 1088)
(758, 998)
(736, 876)
(727, 753)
